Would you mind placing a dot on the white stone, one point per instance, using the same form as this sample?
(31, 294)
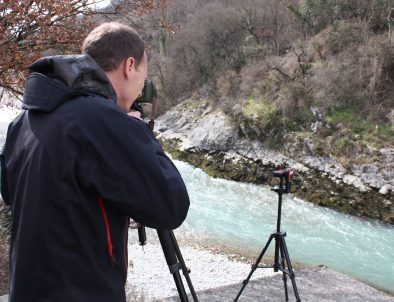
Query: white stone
(384, 190)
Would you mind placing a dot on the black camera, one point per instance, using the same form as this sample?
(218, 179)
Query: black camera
(147, 96)
(284, 173)
(148, 93)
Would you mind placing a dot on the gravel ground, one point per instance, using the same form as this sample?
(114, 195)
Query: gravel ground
(150, 276)
(217, 276)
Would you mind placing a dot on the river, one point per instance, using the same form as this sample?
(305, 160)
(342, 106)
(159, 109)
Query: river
(244, 215)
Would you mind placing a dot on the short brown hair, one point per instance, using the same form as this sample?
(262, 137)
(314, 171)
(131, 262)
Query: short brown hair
(110, 43)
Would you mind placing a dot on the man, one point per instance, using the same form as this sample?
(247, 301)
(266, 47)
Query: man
(76, 166)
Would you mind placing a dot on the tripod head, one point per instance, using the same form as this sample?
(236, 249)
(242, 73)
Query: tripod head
(285, 174)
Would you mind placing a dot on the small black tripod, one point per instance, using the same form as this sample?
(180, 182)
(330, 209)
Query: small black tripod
(285, 174)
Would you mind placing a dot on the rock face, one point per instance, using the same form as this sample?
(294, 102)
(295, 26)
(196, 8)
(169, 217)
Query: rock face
(198, 133)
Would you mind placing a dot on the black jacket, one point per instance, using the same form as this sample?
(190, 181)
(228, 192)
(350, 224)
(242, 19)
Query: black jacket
(75, 167)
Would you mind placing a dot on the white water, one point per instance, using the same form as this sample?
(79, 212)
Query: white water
(243, 216)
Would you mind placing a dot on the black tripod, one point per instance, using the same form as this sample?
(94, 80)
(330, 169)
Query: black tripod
(168, 242)
(174, 260)
(281, 263)
(175, 263)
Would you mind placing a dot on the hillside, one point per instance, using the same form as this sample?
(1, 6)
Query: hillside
(197, 132)
(303, 79)
(316, 71)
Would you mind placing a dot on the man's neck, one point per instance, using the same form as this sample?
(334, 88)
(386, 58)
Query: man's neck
(116, 82)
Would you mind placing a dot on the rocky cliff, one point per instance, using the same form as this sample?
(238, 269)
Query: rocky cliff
(199, 133)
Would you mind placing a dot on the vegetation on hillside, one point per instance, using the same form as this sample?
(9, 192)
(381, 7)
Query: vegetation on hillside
(284, 67)
(277, 67)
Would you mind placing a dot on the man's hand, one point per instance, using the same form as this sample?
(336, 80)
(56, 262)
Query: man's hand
(135, 114)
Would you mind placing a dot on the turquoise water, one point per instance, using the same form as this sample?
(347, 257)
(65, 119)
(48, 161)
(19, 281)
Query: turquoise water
(244, 215)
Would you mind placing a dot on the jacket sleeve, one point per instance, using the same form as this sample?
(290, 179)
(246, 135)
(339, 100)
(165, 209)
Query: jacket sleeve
(122, 160)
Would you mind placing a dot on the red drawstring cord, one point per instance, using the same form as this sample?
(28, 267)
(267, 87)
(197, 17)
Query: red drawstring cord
(109, 242)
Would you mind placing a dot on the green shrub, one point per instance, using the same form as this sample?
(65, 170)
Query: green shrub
(258, 110)
(378, 134)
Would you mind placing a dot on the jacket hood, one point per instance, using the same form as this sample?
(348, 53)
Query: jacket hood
(54, 80)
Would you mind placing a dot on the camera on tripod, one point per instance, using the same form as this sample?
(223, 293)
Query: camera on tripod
(282, 258)
(167, 239)
(148, 94)
(285, 173)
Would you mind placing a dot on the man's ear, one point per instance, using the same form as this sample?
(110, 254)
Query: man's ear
(129, 66)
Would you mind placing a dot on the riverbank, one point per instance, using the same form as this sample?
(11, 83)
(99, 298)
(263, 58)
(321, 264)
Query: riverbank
(211, 266)
(217, 277)
(197, 132)
(217, 273)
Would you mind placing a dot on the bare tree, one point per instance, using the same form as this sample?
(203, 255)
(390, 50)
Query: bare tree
(267, 21)
(30, 29)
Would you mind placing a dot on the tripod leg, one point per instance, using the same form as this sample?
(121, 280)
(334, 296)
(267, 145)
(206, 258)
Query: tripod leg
(254, 266)
(172, 262)
(277, 248)
(185, 270)
(284, 277)
(290, 269)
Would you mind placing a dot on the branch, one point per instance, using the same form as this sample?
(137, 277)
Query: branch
(15, 91)
(282, 72)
